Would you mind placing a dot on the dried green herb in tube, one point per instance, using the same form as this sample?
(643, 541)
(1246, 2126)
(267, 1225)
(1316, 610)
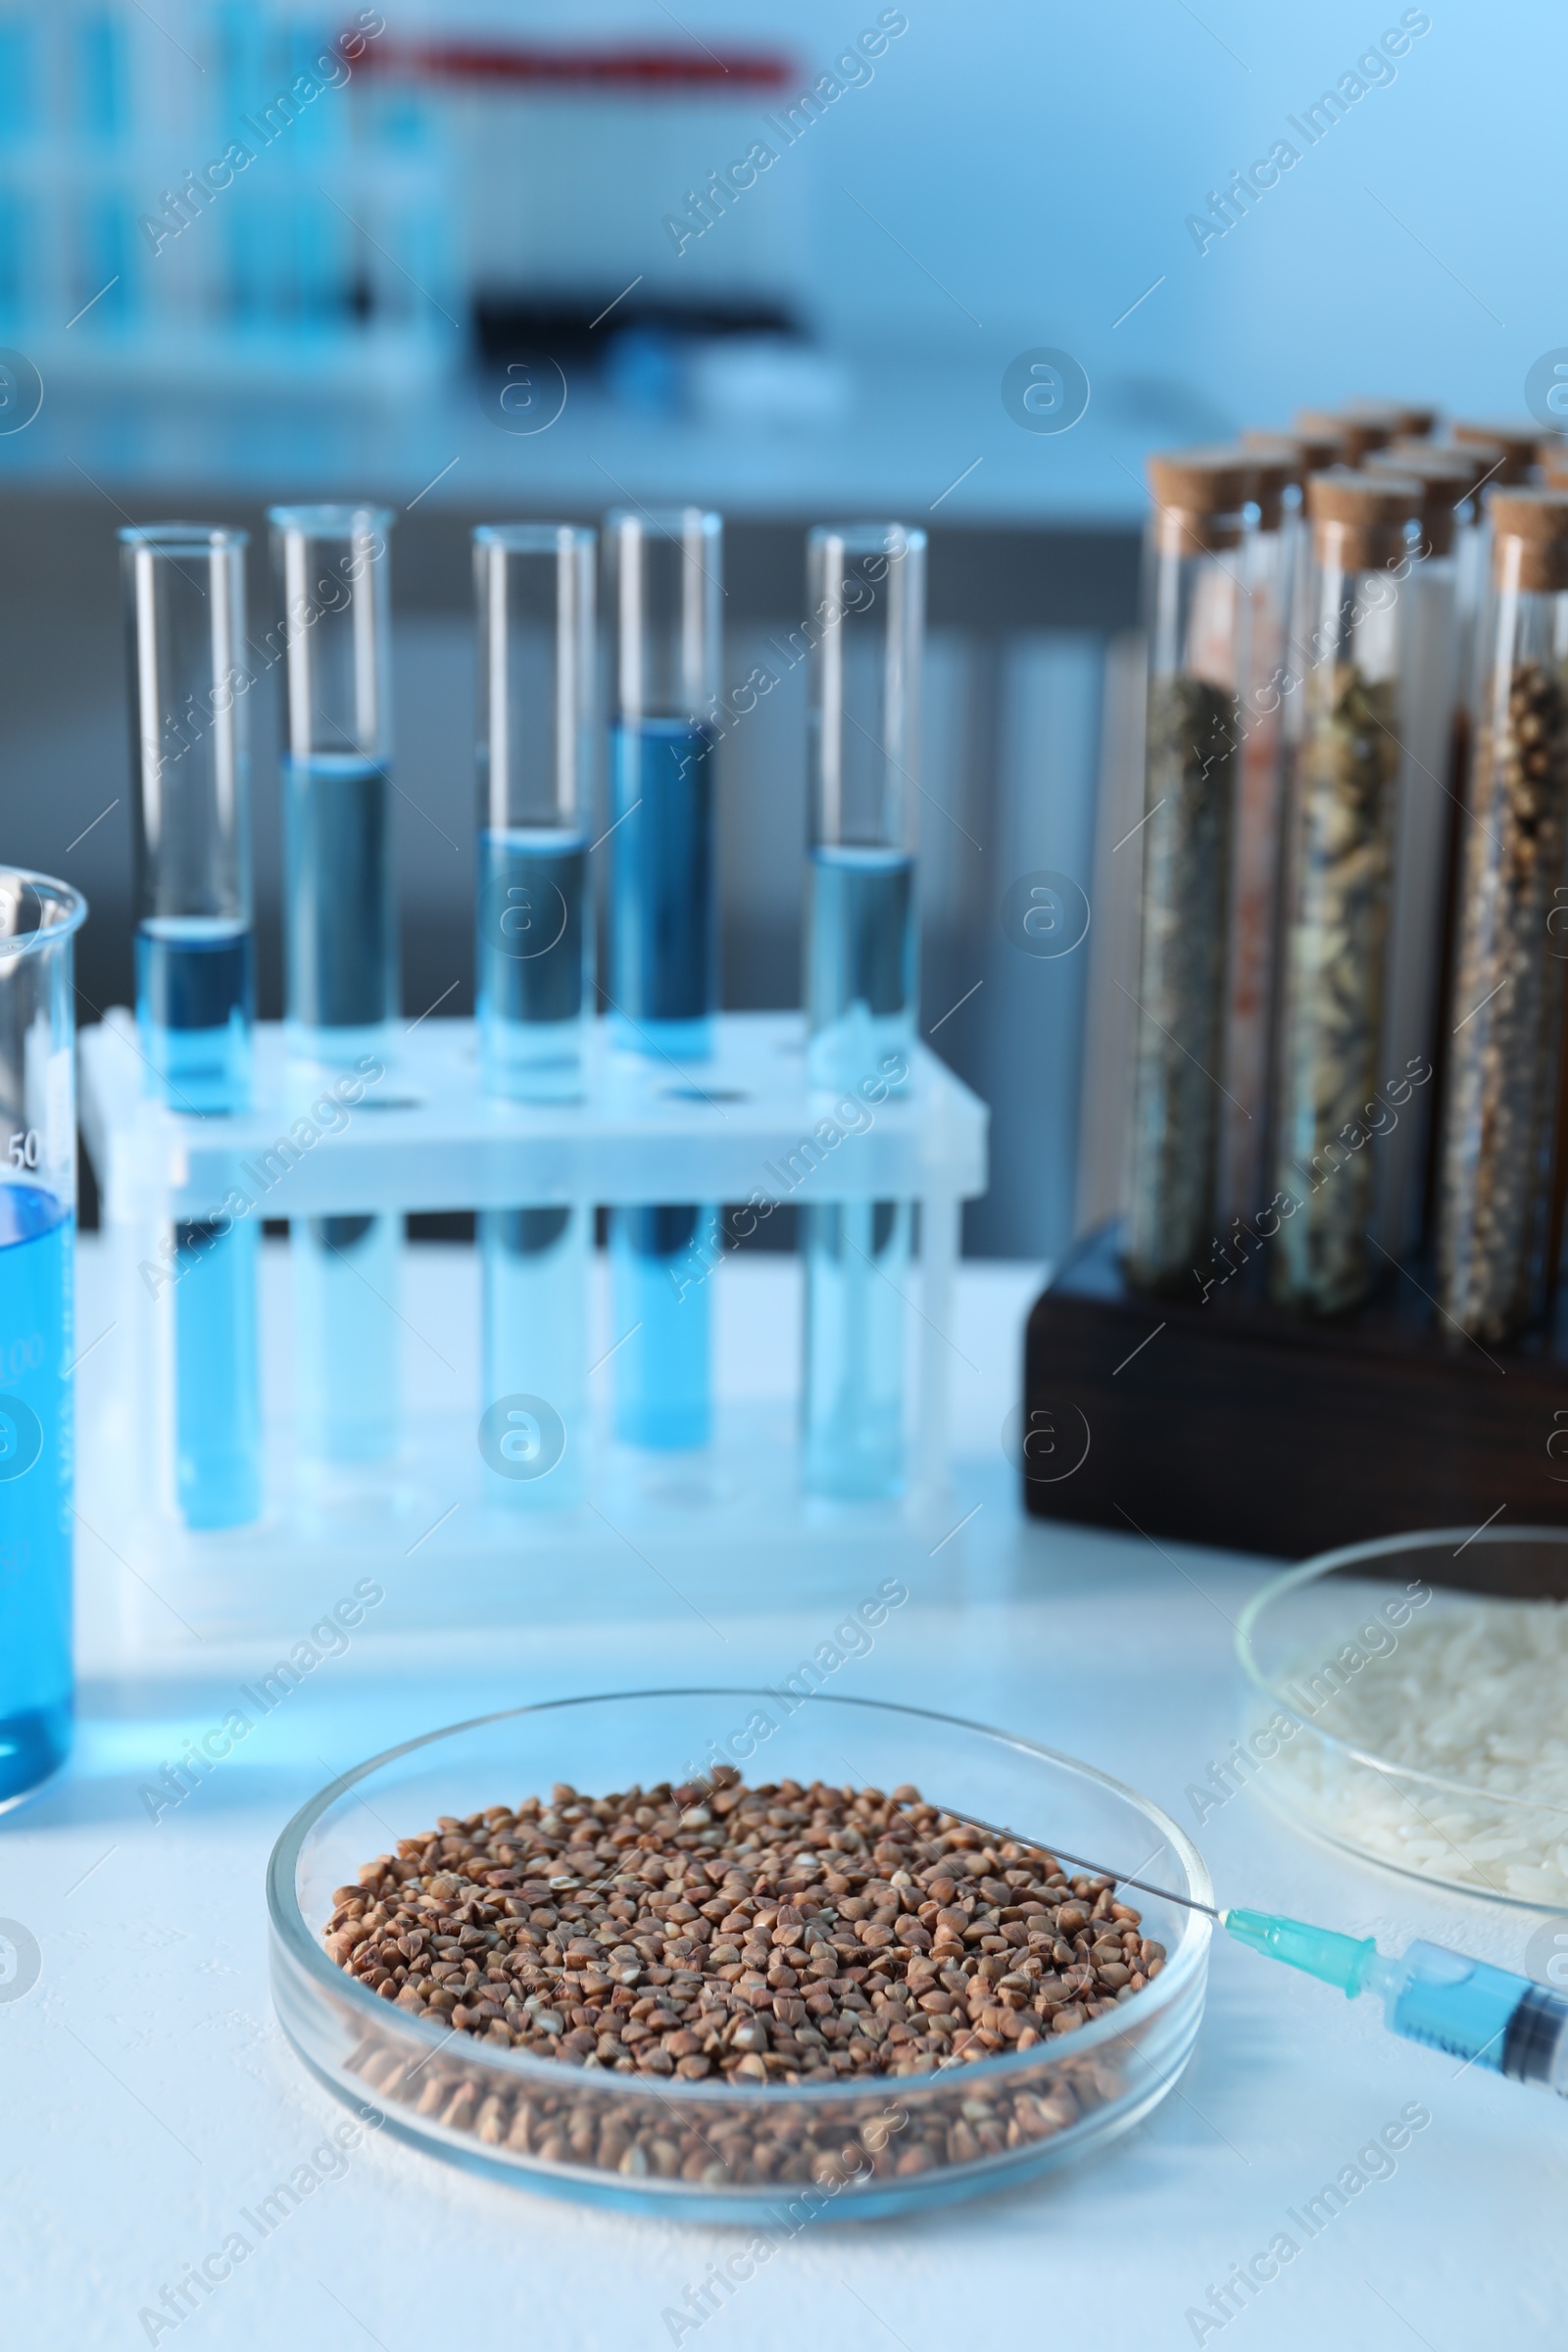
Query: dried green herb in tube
(1346, 771)
(1197, 608)
(1499, 1120)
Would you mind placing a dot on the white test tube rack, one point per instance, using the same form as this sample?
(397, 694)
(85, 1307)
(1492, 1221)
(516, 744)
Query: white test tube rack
(424, 1137)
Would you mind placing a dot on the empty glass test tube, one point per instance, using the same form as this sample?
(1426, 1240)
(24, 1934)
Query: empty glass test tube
(665, 581)
(332, 568)
(534, 596)
(865, 590)
(195, 979)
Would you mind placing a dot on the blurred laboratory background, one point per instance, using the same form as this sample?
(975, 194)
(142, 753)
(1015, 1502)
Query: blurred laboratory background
(492, 261)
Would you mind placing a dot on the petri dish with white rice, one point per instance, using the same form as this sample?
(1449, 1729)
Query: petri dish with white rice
(1407, 1700)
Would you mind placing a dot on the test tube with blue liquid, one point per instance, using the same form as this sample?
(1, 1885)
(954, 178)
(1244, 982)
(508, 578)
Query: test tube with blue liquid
(866, 587)
(534, 600)
(39, 920)
(334, 575)
(665, 583)
(195, 971)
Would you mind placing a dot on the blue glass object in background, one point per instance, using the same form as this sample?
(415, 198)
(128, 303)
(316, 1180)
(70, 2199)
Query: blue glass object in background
(36, 1238)
(532, 1007)
(19, 86)
(347, 1337)
(663, 924)
(107, 228)
(861, 962)
(195, 1004)
(341, 933)
(661, 1260)
(17, 249)
(101, 66)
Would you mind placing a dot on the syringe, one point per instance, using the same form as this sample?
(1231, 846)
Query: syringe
(1485, 2015)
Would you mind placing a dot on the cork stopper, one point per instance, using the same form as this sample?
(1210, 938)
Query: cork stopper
(1472, 462)
(1517, 443)
(1359, 519)
(1553, 451)
(1314, 452)
(1406, 421)
(1355, 437)
(1530, 540)
(1198, 495)
(1446, 478)
(1273, 466)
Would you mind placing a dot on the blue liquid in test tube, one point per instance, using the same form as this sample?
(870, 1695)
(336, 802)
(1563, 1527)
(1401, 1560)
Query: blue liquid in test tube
(332, 566)
(345, 1335)
(862, 978)
(341, 948)
(195, 981)
(534, 602)
(663, 896)
(532, 999)
(664, 942)
(195, 1006)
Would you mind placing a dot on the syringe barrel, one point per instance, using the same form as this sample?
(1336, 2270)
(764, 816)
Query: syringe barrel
(1483, 2015)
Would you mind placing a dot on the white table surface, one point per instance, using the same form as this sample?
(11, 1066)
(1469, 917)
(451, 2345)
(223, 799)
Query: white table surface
(148, 2094)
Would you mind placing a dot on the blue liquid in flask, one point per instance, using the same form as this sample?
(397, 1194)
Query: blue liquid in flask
(36, 1466)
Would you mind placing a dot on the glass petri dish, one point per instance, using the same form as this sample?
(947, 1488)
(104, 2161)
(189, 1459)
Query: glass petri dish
(1400, 1704)
(865, 2145)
